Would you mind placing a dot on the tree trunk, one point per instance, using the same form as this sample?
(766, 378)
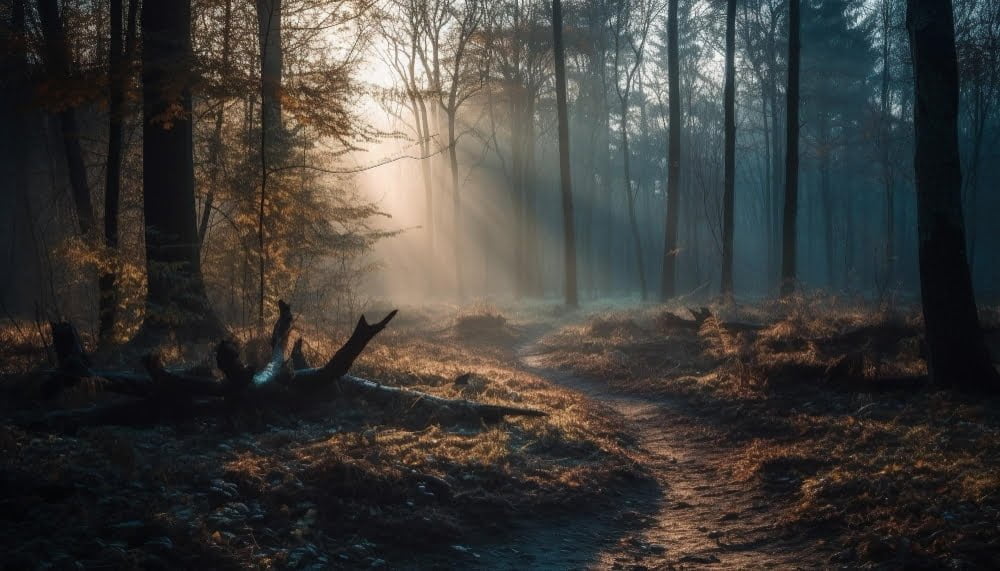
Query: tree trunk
(604, 269)
(826, 197)
(630, 202)
(777, 180)
(517, 189)
(885, 131)
(119, 58)
(788, 240)
(271, 62)
(271, 130)
(957, 354)
(532, 253)
(427, 174)
(457, 204)
(667, 286)
(16, 98)
(569, 233)
(175, 297)
(57, 60)
(728, 193)
(215, 157)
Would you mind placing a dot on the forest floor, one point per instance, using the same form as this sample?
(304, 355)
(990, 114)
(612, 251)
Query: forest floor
(758, 436)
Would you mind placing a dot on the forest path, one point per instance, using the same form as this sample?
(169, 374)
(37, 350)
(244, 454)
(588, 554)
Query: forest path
(695, 516)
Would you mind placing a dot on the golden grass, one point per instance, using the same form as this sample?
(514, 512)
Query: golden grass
(896, 476)
(336, 476)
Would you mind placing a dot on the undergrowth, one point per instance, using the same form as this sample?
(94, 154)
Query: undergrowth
(822, 403)
(342, 484)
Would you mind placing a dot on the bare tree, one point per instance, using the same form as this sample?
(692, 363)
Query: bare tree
(405, 33)
(519, 61)
(629, 24)
(450, 28)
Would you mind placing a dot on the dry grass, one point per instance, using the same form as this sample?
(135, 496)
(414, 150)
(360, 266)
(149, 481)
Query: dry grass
(342, 484)
(900, 474)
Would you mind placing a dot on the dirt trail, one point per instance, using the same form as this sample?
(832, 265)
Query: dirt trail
(696, 516)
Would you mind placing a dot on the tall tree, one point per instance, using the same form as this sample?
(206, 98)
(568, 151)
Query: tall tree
(728, 193)
(405, 35)
(519, 57)
(269, 38)
(118, 62)
(569, 235)
(461, 82)
(215, 155)
(57, 59)
(15, 97)
(175, 295)
(886, 21)
(957, 354)
(630, 25)
(667, 286)
(788, 240)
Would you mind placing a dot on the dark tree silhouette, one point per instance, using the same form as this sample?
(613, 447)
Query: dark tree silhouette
(57, 60)
(728, 193)
(788, 240)
(175, 298)
(118, 60)
(569, 235)
(957, 353)
(668, 280)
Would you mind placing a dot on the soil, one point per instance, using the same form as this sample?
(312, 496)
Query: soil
(663, 450)
(693, 515)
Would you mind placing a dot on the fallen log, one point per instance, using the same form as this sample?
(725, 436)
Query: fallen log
(163, 394)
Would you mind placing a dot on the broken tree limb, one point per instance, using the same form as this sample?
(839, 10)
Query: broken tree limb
(342, 360)
(298, 358)
(227, 358)
(175, 385)
(192, 393)
(439, 407)
(275, 370)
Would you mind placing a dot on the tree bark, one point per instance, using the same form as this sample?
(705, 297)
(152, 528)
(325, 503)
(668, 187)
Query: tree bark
(885, 132)
(175, 296)
(668, 285)
(532, 269)
(630, 202)
(826, 196)
(215, 156)
(788, 229)
(456, 203)
(271, 130)
(569, 232)
(957, 354)
(119, 58)
(57, 60)
(271, 62)
(728, 193)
